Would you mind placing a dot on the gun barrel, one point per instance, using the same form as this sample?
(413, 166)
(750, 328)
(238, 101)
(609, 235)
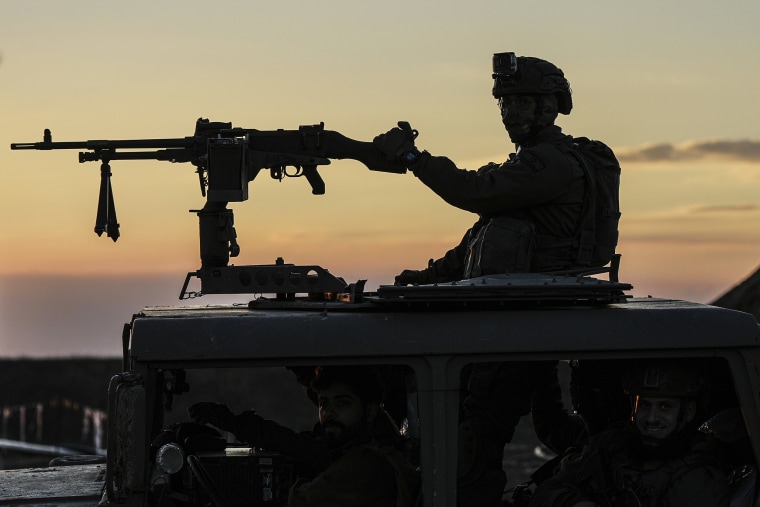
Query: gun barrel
(134, 144)
(49, 146)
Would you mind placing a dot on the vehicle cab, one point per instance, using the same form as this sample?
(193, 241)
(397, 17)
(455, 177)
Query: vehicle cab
(421, 339)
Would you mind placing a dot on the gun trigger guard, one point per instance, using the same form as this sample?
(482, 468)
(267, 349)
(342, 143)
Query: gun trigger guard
(296, 174)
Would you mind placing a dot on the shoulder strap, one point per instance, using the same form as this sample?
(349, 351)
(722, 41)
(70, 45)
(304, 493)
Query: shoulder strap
(587, 230)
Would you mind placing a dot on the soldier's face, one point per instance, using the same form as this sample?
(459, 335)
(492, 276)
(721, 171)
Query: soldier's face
(522, 115)
(658, 418)
(518, 114)
(341, 414)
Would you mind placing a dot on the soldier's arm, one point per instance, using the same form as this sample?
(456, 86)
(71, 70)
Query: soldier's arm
(535, 178)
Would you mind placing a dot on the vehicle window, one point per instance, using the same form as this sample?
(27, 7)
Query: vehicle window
(518, 419)
(259, 435)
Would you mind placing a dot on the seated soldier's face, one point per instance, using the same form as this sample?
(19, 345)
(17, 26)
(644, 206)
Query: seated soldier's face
(657, 418)
(341, 414)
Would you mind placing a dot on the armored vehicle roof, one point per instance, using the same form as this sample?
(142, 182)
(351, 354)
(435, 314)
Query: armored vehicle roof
(480, 317)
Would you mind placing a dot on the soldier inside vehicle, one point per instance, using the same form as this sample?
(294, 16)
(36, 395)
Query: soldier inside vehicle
(659, 432)
(576, 408)
(359, 452)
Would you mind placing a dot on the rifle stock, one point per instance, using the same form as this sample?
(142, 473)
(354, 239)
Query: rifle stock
(342, 147)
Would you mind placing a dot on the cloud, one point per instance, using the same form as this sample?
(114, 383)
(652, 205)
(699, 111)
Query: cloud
(678, 216)
(745, 150)
(728, 208)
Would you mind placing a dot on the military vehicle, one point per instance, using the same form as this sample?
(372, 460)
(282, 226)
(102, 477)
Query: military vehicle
(421, 338)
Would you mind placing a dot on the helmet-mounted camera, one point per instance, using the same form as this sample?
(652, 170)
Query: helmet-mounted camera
(504, 65)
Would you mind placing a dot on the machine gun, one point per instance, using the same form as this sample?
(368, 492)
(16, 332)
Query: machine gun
(227, 158)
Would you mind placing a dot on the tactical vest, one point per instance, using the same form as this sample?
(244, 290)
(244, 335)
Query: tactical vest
(407, 478)
(613, 481)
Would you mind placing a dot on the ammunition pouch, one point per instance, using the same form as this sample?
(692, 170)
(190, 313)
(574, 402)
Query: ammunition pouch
(502, 245)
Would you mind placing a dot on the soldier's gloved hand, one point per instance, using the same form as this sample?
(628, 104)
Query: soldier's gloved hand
(396, 141)
(413, 276)
(216, 414)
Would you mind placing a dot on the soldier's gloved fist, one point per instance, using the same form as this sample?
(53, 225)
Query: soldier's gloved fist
(216, 414)
(413, 276)
(397, 141)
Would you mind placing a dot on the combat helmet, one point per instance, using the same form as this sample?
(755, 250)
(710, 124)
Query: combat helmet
(526, 74)
(664, 379)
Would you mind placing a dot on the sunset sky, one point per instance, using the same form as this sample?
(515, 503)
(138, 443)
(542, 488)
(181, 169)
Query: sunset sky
(670, 86)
